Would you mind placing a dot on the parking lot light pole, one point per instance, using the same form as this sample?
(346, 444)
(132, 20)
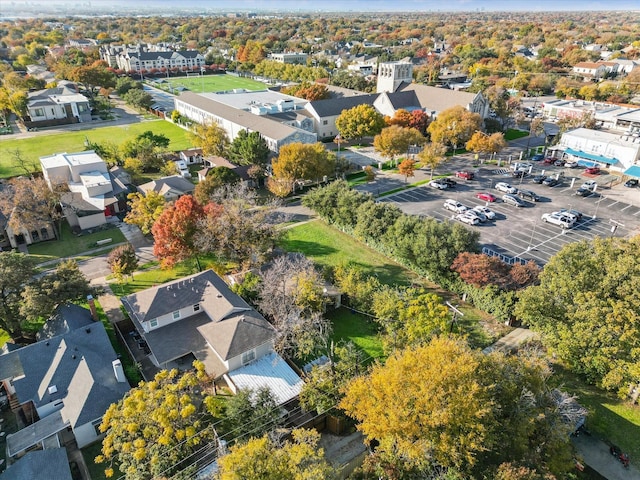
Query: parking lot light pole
(533, 232)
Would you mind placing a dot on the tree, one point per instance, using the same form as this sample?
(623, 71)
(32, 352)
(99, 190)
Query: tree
(138, 98)
(145, 210)
(16, 272)
(32, 204)
(308, 91)
(360, 121)
(480, 142)
(587, 307)
(432, 155)
(481, 270)
(449, 406)
(216, 178)
(147, 148)
(249, 149)
(244, 230)
(66, 284)
(301, 161)
(407, 168)
(212, 139)
(175, 231)
(155, 426)
(454, 126)
(124, 84)
(395, 140)
(401, 117)
(265, 459)
(92, 77)
(250, 414)
(123, 261)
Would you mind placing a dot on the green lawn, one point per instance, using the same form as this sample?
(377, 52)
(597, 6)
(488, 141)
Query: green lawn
(611, 418)
(513, 134)
(89, 453)
(328, 247)
(42, 145)
(215, 83)
(359, 329)
(71, 244)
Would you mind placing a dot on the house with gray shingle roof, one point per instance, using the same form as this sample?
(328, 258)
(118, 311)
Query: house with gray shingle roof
(325, 112)
(171, 188)
(199, 317)
(67, 380)
(434, 100)
(57, 106)
(49, 464)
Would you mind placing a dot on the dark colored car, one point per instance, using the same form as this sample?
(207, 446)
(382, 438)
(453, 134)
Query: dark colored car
(559, 163)
(519, 174)
(539, 178)
(537, 157)
(551, 182)
(449, 181)
(512, 200)
(633, 182)
(583, 192)
(529, 195)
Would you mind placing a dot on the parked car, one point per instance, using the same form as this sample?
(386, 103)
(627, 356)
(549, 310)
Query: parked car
(559, 163)
(475, 213)
(449, 181)
(557, 218)
(551, 181)
(465, 174)
(537, 157)
(505, 187)
(571, 164)
(539, 178)
(584, 192)
(631, 183)
(512, 200)
(549, 161)
(590, 185)
(468, 219)
(524, 167)
(486, 197)
(454, 206)
(438, 184)
(490, 214)
(592, 170)
(528, 195)
(577, 215)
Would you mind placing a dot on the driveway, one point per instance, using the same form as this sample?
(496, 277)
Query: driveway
(595, 453)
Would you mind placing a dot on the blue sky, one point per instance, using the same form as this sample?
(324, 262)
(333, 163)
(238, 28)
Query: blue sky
(366, 5)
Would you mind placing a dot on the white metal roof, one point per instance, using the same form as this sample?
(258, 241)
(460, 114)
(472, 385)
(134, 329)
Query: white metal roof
(269, 371)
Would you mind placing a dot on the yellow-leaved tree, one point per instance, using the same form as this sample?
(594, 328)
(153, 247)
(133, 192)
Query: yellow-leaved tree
(155, 426)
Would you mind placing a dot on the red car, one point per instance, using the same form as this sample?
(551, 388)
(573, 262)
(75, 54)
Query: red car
(592, 170)
(464, 174)
(487, 197)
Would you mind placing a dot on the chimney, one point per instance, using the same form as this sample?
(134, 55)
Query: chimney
(92, 307)
(119, 371)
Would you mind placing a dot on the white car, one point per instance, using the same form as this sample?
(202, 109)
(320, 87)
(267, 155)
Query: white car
(454, 206)
(558, 218)
(505, 188)
(438, 184)
(590, 185)
(468, 219)
(521, 167)
(490, 214)
(475, 213)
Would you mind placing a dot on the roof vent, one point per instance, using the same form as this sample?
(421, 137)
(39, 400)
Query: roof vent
(88, 330)
(219, 295)
(47, 343)
(52, 389)
(74, 357)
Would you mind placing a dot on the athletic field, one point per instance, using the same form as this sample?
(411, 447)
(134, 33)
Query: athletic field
(214, 83)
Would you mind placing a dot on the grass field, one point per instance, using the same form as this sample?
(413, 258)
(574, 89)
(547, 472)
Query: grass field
(215, 83)
(362, 331)
(41, 145)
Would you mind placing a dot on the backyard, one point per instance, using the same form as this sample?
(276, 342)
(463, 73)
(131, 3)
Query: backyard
(41, 145)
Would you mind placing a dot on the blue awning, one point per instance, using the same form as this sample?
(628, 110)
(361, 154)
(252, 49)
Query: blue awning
(633, 171)
(591, 156)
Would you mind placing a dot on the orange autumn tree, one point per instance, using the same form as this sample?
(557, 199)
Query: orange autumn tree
(175, 230)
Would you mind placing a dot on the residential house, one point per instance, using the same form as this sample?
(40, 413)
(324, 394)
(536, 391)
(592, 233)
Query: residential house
(10, 239)
(214, 161)
(626, 66)
(62, 385)
(171, 188)
(199, 317)
(57, 106)
(94, 193)
(49, 464)
(590, 70)
(191, 156)
(325, 112)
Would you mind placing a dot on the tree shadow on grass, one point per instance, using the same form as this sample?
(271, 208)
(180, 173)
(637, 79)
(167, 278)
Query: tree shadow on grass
(310, 249)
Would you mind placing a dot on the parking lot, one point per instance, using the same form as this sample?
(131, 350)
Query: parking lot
(519, 232)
